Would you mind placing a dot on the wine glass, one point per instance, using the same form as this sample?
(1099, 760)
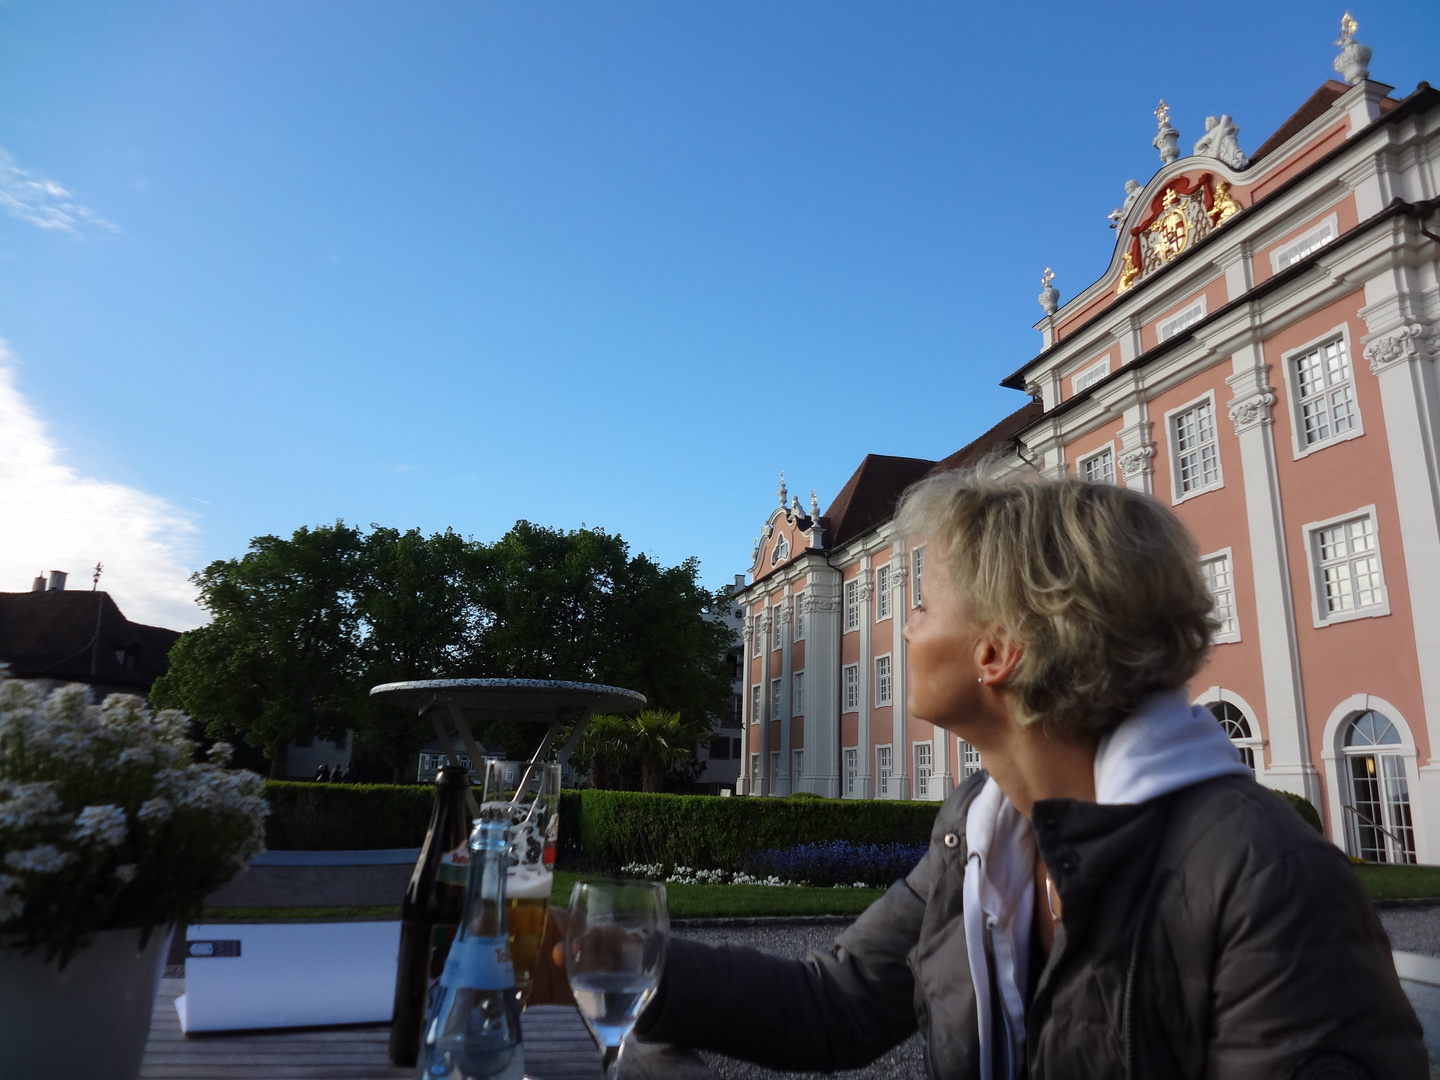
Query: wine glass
(614, 951)
(532, 813)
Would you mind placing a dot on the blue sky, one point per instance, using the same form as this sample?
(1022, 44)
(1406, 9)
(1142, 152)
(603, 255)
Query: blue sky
(455, 264)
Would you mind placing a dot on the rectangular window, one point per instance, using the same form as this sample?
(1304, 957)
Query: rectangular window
(797, 693)
(735, 749)
(720, 748)
(1090, 376)
(1183, 319)
(1098, 468)
(776, 685)
(774, 771)
(852, 769)
(1196, 452)
(1307, 243)
(882, 680)
(800, 616)
(777, 641)
(1347, 562)
(917, 564)
(924, 767)
(969, 759)
(850, 682)
(797, 766)
(757, 630)
(1220, 580)
(852, 604)
(755, 716)
(883, 771)
(737, 716)
(1324, 393)
(755, 766)
(882, 593)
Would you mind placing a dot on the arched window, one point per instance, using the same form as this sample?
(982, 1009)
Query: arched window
(781, 551)
(1233, 721)
(1380, 828)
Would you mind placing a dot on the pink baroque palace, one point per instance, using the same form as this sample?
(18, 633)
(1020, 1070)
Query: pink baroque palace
(1261, 356)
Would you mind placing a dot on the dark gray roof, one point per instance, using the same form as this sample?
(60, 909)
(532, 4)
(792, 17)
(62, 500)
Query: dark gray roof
(81, 637)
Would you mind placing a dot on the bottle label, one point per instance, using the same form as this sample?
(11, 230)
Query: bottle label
(478, 963)
(454, 866)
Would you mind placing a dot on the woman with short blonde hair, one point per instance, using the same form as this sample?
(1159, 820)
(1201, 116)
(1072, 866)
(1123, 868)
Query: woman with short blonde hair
(1114, 895)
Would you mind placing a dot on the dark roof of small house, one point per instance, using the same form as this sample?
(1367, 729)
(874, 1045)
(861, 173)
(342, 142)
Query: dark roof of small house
(870, 495)
(82, 637)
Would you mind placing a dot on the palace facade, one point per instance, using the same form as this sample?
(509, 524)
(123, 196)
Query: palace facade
(1261, 356)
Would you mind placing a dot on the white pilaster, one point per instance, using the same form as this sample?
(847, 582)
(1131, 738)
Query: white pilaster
(822, 681)
(789, 783)
(1287, 766)
(747, 784)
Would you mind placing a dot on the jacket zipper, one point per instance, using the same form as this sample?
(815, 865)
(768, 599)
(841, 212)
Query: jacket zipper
(996, 995)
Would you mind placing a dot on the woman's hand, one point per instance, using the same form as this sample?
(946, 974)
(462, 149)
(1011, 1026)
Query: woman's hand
(549, 984)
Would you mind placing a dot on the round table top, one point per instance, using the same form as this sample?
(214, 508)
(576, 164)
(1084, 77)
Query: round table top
(539, 700)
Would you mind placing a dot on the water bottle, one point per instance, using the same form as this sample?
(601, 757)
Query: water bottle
(473, 1033)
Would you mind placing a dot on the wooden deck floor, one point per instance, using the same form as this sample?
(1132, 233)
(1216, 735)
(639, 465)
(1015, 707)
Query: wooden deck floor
(557, 1047)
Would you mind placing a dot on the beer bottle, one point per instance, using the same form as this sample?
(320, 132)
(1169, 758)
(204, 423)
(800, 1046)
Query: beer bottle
(431, 912)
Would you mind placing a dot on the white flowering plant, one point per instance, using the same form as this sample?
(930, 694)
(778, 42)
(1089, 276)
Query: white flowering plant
(107, 820)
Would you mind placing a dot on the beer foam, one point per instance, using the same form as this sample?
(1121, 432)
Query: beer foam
(527, 883)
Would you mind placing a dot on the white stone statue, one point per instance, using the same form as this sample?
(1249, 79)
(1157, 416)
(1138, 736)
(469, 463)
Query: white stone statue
(1353, 63)
(1049, 295)
(1132, 192)
(1167, 141)
(1222, 140)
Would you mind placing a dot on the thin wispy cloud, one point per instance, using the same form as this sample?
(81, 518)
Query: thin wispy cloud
(52, 518)
(37, 199)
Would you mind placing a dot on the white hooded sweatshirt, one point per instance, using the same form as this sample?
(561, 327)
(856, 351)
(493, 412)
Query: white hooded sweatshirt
(1165, 745)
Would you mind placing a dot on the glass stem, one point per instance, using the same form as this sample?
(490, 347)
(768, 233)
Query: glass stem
(610, 1062)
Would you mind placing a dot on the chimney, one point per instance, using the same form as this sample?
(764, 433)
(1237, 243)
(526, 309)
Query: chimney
(57, 580)
(39, 584)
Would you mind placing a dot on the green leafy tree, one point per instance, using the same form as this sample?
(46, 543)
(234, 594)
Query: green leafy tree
(662, 741)
(280, 659)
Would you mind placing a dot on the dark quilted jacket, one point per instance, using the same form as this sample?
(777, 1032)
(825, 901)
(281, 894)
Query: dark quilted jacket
(1210, 933)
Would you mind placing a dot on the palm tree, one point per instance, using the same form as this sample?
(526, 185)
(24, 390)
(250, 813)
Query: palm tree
(662, 739)
(606, 747)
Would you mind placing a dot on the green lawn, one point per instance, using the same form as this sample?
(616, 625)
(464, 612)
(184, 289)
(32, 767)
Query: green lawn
(1400, 882)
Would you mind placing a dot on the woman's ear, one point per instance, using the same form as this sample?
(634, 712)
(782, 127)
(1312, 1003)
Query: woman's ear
(997, 654)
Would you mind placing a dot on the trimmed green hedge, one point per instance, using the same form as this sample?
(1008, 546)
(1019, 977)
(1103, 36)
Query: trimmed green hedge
(356, 817)
(1304, 808)
(706, 832)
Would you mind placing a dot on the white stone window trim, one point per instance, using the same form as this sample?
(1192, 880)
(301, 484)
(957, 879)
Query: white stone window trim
(1108, 448)
(917, 568)
(1311, 239)
(757, 701)
(1292, 392)
(797, 766)
(926, 778)
(1088, 376)
(850, 762)
(968, 766)
(846, 702)
(1226, 637)
(1213, 695)
(1181, 320)
(1332, 753)
(1173, 450)
(1317, 586)
(884, 607)
(797, 693)
(777, 697)
(797, 621)
(885, 778)
(888, 683)
(850, 602)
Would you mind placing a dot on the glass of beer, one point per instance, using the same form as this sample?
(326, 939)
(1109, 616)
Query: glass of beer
(530, 805)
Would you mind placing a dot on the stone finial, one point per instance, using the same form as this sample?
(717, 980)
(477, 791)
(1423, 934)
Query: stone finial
(1049, 295)
(1222, 140)
(1167, 141)
(781, 490)
(1353, 63)
(1133, 191)
(814, 508)
(795, 506)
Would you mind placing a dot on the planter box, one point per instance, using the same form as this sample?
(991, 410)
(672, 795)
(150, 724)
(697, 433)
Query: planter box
(283, 975)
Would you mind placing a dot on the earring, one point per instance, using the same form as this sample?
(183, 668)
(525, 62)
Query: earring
(981, 680)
